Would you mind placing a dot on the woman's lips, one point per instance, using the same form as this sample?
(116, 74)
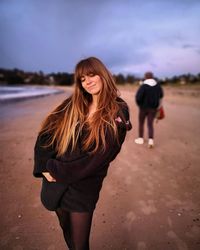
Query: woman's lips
(92, 86)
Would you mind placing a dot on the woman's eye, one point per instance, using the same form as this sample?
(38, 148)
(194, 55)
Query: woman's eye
(82, 79)
(91, 74)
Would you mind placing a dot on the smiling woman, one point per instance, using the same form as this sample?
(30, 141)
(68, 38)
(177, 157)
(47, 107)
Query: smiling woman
(91, 83)
(75, 146)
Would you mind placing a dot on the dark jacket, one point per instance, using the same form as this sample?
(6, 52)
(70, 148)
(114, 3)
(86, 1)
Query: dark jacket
(79, 172)
(148, 95)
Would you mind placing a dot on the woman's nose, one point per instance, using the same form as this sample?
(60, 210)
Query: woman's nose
(88, 79)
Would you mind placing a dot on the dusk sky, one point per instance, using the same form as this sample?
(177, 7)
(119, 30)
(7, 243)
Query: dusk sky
(128, 36)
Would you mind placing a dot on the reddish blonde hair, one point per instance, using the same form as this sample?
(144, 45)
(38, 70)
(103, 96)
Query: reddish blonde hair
(66, 122)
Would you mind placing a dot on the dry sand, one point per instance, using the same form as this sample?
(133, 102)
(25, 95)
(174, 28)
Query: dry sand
(150, 199)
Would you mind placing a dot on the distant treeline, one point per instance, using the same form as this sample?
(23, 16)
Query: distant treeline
(16, 76)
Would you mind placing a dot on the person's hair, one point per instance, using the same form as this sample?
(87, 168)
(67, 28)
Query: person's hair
(148, 75)
(66, 122)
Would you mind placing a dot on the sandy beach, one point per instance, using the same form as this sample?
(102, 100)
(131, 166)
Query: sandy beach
(150, 199)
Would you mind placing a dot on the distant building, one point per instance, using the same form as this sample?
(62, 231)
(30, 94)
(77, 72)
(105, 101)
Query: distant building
(51, 80)
(183, 81)
(2, 77)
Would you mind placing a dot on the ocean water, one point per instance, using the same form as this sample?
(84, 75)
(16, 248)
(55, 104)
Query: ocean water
(15, 93)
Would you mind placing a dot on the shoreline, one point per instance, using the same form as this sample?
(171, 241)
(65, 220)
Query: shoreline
(20, 92)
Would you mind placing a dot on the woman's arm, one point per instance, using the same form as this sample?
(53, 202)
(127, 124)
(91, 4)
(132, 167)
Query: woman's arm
(42, 155)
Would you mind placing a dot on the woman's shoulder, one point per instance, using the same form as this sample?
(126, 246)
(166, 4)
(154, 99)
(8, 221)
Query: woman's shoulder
(122, 104)
(120, 101)
(124, 113)
(67, 101)
(60, 109)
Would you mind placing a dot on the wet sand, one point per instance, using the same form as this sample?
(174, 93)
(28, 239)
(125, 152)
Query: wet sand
(150, 198)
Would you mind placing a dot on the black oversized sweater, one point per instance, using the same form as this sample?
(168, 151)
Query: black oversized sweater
(81, 170)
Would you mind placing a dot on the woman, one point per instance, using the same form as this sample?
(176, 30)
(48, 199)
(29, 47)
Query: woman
(148, 98)
(75, 145)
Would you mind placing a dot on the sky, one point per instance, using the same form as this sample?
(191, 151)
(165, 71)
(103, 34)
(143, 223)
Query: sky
(129, 36)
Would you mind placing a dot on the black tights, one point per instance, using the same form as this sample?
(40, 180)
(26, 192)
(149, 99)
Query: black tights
(76, 228)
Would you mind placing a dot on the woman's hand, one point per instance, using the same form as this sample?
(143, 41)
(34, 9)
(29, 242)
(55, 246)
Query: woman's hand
(48, 177)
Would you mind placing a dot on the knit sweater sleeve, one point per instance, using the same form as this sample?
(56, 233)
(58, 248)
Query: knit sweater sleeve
(90, 164)
(42, 155)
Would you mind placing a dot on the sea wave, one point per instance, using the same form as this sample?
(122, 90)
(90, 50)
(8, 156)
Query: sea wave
(15, 93)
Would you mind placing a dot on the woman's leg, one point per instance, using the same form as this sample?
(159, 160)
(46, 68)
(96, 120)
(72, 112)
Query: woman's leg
(64, 219)
(80, 229)
(142, 115)
(150, 118)
(76, 228)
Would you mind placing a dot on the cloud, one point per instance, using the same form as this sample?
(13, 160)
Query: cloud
(193, 47)
(52, 35)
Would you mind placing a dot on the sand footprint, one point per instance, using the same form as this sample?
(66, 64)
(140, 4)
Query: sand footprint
(141, 245)
(148, 207)
(130, 217)
(179, 243)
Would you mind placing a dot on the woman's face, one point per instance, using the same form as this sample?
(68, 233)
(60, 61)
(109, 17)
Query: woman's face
(91, 83)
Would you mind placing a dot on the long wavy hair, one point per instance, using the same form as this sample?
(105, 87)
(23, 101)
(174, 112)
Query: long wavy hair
(66, 122)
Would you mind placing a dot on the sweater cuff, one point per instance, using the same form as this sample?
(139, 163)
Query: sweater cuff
(38, 170)
(52, 169)
(38, 175)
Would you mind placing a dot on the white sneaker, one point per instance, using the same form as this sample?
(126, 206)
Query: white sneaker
(150, 143)
(139, 140)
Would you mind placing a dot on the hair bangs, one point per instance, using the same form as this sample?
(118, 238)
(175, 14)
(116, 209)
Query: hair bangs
(86, 67)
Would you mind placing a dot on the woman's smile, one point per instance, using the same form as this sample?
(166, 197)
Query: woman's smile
(91, 83)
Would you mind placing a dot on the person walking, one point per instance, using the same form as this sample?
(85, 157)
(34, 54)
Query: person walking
(148, 98)
(75, 145)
